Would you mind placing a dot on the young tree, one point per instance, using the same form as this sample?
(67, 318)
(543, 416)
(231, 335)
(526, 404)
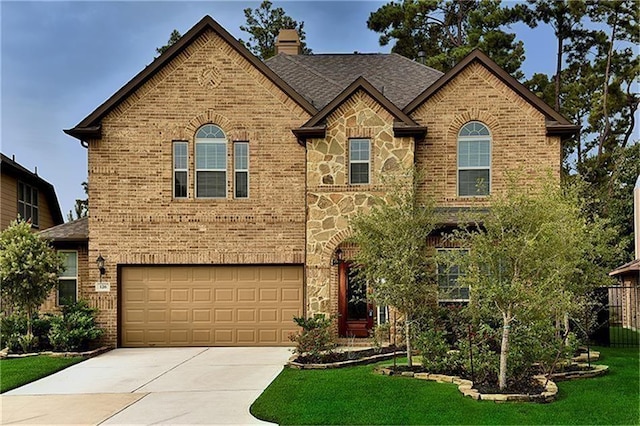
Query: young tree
(394, 255)
(29, 269)
(522, 262)
(173, 39)
(446, 31)
(264, 24)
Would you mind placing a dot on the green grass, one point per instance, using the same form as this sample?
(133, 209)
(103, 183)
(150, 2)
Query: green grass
(623, 336)
(15, 372)
(358, 396)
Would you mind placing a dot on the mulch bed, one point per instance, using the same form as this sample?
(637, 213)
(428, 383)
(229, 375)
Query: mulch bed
(341, 356)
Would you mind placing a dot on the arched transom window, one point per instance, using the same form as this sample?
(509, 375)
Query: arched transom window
(474, 160)
(211, 162)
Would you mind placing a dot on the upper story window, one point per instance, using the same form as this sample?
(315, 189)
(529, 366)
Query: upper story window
(68, 280)
(448, 288)
(211, 162)
(28, 204)
(359, 161)
(474, 160)
(180, 169)
(241, 169)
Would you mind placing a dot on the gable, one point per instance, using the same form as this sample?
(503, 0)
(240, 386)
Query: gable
(556, 123)
(90, 127)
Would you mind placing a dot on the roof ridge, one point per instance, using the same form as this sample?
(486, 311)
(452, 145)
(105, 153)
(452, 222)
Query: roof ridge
(313, 71)
(416, 63)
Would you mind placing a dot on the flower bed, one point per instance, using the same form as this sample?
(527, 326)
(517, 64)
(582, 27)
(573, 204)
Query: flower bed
(344, 358)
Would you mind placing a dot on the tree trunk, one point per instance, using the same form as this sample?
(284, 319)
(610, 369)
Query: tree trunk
(407, 333)
(504, 351)
(29, 323)
(605, 94)
(566, 329)
(558, 70)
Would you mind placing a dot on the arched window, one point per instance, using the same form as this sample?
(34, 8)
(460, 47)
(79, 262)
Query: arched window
(211, 162)
(474, 160)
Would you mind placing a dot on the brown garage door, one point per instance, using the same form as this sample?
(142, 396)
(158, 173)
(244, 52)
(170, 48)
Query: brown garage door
(209, 305)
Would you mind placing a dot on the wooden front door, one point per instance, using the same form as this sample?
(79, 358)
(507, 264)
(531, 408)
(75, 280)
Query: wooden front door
(356, 315)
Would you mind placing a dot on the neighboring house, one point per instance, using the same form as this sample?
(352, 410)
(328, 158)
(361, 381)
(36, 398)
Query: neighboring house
(221, 187)
(71, 240)
(26, 195)
(627, 296)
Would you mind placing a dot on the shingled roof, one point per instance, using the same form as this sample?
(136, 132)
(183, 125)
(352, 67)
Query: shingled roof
(74, 231)
(320, 78)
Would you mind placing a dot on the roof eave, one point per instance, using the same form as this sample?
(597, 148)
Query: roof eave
(565, 131)
(304, 133)
(84, 133)
(418, 132)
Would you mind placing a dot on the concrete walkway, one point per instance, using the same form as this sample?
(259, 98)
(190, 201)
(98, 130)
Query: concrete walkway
(150, 386)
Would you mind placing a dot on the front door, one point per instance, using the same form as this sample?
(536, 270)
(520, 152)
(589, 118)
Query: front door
(356, 315)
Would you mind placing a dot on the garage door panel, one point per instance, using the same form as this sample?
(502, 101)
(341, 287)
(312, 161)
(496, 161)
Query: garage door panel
(224, 294)
(223, 315)
(209, 305)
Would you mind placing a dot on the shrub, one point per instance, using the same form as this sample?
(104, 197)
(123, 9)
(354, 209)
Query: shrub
(13, 332)
(315, 338)
(76, 328)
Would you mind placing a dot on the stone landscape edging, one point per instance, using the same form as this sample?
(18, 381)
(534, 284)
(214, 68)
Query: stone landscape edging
(360, 361)
(87, 354)
(466, 386)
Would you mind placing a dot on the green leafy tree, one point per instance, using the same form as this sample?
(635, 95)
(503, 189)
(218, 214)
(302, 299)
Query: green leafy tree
(173, 39)
(394, 254)
(522, 264)
(29, 269)
(446, 31)
(263, 24)
(81, 207)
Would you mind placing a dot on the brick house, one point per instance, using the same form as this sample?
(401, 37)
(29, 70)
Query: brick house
(221, 186)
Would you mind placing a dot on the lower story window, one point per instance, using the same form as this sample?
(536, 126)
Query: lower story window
(68, 280)
(448, 288)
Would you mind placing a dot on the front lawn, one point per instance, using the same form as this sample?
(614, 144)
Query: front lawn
(357, 396)
(15, 372)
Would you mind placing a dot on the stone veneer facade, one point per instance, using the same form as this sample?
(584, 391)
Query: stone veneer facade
(300, 201)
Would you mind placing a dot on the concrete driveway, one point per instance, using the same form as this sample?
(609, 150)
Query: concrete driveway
(150, 386)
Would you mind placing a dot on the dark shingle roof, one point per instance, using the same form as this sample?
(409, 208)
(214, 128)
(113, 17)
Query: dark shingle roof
(320, 78)
(77, 230)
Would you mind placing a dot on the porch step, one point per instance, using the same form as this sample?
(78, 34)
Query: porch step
(355, 341)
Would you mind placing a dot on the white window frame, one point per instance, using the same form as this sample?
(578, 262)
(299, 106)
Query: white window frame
(450, 300)
(368, 162)
(68, 278)
(474, 138)
(33, 205)
(211, 140)
(237, 169)
(382, 311)
(176, 169)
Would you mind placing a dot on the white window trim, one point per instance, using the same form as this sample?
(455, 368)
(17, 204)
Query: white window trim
(173, 148)
(368, 162)
(226, 147)
(236, 169)
(61, 278)
(379, 311)
(441, 249)
(459, 168)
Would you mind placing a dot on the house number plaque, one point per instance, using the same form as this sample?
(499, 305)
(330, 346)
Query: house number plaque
(100, 286)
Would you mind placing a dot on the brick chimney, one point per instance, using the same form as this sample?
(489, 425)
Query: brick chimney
(288, 42)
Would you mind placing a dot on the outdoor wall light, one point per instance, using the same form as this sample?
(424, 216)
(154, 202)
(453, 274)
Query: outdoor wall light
(337, 257)
(100, 263)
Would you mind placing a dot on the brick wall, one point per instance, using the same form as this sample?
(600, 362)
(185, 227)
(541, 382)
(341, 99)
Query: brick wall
(135, 220)
(519, 143)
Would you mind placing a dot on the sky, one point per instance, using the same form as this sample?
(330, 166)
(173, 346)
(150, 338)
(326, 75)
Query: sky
(60, 60)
